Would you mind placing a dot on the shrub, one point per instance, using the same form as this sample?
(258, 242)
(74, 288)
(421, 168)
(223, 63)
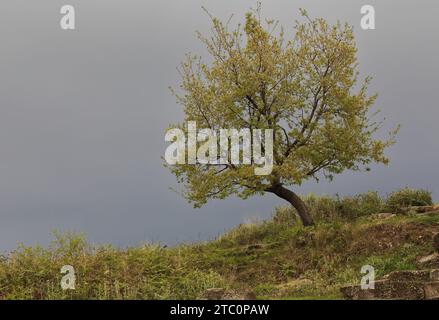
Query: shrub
(326, 208)
(406, 197)
(360, 205)
(322, 208)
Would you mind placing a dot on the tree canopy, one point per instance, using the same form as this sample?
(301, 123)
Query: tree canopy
(306, 89)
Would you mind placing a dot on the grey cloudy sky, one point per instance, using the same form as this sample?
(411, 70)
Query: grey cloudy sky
(83, 113)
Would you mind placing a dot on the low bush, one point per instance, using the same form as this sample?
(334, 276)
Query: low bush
(406, 197)
(326, 208)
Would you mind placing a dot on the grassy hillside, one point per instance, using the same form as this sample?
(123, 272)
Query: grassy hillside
(277, 258)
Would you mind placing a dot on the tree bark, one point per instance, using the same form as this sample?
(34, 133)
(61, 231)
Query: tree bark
(295, 201)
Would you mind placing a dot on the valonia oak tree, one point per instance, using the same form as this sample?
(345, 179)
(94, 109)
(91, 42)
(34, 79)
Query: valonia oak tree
(306, 89)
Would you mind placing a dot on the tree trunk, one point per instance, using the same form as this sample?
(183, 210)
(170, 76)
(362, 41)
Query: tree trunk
(295, 201)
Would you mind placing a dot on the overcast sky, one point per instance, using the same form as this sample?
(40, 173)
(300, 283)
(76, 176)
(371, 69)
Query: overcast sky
(83, 113)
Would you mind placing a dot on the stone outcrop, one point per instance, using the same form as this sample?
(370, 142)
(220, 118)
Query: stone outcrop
(436, 242)
(430, 261)
(383, 215)
(214, 294)
(399, 285)
(421, 209)
(222, 294)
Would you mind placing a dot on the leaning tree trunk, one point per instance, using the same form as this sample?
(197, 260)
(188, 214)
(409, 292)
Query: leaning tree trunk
(295, 201)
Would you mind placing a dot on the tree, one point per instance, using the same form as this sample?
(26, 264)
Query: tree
(305, 89)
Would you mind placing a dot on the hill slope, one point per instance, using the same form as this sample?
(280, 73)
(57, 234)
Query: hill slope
(270, 259)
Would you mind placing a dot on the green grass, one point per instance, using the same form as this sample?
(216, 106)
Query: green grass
(273, 259)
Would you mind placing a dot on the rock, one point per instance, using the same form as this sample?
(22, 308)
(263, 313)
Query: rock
(385, 215)
(222, 294)
(436, 242)
(386, 290)
(401, 285)
(214, 294)
(430, 260)
(431, 291)
(410, 276)
(356, 293)
(422, 209)
(434, 275)
(238, 295)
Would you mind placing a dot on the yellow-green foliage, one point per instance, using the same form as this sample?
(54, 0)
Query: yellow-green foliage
(306, 89)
